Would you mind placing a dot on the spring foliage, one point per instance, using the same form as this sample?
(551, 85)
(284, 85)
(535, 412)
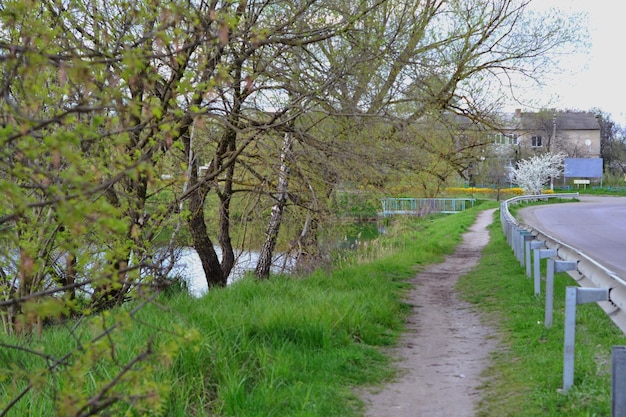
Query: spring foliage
(118, 121)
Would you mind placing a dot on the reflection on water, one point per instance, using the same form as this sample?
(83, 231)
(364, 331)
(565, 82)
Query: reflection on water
(359, 232)
(190, 268)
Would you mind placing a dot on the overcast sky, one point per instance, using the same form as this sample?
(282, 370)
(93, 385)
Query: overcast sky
(597, 79)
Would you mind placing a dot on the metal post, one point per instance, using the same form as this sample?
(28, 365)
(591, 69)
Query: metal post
(524, 252)
(536, 244)
(539, 255)
(507, 231)
(549, 293)
(528, 250)
(554, 266)
(512, 232)
(574, 296)
(518, 244)
(570, 336)
(618, 378)
(515, 239)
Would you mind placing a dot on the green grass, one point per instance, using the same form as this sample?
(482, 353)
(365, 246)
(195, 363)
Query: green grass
(527, 370)
(607, 190)
(303, 347)
(282, 347)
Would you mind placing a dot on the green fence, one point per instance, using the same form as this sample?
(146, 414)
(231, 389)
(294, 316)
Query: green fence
(420, 206)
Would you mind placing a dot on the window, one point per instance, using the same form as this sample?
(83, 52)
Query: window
(535, 142)
(512, 138)
(503, 139)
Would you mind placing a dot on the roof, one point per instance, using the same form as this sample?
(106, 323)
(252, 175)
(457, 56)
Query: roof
(564, 120)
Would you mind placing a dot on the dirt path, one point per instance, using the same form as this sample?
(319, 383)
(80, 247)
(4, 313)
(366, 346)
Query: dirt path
(446, 346)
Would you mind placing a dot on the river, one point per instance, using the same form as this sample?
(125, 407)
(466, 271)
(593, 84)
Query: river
(190, 268)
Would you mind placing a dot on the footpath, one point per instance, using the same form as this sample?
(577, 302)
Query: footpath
(445, 348)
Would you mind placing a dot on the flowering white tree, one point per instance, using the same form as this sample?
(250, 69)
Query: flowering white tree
(532, 173)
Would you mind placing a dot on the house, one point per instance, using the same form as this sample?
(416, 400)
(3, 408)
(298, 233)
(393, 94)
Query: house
(487, 151)
(576, 134)
(524, 134)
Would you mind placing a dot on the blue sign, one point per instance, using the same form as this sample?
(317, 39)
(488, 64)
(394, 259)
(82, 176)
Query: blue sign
(583, 167)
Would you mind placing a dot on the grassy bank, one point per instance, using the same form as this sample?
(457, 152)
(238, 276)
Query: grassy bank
(527, 371)
(284, 347)
(301, 347)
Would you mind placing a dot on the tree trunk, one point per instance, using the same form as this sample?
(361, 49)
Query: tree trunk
(271, 235)
(309, 255)
(202, 243)
(197, 226)
(225, 195)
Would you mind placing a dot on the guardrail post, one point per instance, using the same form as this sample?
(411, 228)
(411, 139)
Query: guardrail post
(574, 296)
(515, 241)
(518, 243)
(618, 381)
(539, 255)
(524, 254)
(554, 266)
(512, 232)
(505, 227)
(530, 246)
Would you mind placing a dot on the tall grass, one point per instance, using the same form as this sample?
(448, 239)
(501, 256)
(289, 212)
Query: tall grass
(282, 347)
(526, 373)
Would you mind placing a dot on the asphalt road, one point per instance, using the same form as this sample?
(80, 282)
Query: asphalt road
(595, 226)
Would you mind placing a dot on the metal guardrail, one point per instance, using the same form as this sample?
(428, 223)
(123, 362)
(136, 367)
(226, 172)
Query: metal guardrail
(589, 272)
(596, 284)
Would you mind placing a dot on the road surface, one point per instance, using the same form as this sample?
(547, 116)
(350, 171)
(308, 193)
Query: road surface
(595, 226)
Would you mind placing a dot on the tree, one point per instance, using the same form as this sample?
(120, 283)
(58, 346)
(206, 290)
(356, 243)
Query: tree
(404, 69)
(612, 145)
(495, 168)
(89, 107)
(533, 173)
(264, 60)
(100, 99)
(422, 62)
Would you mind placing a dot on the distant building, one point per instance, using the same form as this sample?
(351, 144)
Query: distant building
(577, 134)
(520, 135)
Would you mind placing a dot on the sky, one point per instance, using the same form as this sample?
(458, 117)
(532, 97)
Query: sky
(596, 79)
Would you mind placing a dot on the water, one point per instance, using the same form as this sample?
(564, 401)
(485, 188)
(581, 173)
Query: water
(359, 232)
(189, 267)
